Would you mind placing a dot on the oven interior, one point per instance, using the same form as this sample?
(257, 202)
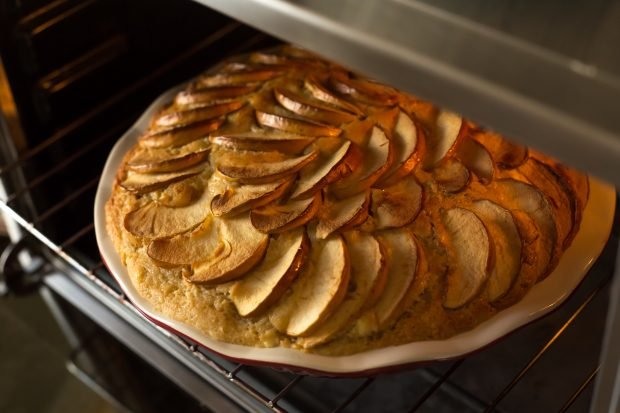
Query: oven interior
(76, 75)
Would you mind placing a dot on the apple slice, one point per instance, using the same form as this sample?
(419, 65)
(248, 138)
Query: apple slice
(336, 160)
(343, 214)
(363, 91)
(243, 198)
(195, 98)
(318, 290)
(296, 126)
(250, 141)
(143, 183)
(311, 110)
(154, 220)
(247, 249)
(188, 117)
(402, 264)
(239, 77)
(177, 163)
(397, 205)
(319, 92)
(408, 147)
(470, 248)
(275, 218)
(250, 169)
(181, 135)
(519, 196)
(266, 283)
(368, 279)
(376, 159)
(449, 128)
(506, 154)
(506, 247)
(475, 157)
(451, 175)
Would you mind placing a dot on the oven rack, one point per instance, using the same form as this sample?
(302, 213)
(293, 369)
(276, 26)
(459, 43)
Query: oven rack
(81, 279)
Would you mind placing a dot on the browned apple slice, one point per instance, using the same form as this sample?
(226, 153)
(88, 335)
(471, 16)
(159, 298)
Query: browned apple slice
(154, 220)
(361, 90)
(368, 279)
(295, 126)
(245, 197)
(449, 128)
(397, 205)
(339, 215)
(251, 169)
(266, 283)
(322, 94)
(262, 142)
(408, 146)
(376, 159)
(470, 249)
(143, 183)
(559, 191)
(177, 163)
(181, 135)
(247, 249)
(239, 77)
(402, 263)
(519, 196)
(188, 117)
(475, 157)
(318, 290)
(336, 160)
(506, 154)
(506, 247)
(451, 175)
(311, 110)
(275, 218)
(194, 98)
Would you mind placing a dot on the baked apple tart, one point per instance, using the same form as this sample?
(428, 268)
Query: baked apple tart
(282, 200)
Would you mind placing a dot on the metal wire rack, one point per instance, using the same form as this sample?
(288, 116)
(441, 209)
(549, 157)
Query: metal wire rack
(443, 386)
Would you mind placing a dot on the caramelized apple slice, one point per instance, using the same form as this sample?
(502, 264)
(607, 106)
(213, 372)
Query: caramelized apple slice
(397, 205)
(336, 160)
(470, 249)
(319, 92)
(252, 169)
(243, 198)
(519, 196)
(368, 279)
(311, 110)
(475, 157)
(194, 98)
(143, 183)
(343, 214)
(188, 117)
(506, 247)
(408, 146)
(154, 220)
(506, 154)
(361, 90)
(275, 218)
(376, 159)
(181, 135)
(239, 77)
(295, 126)
(263, 142)
(451, 175)
(449, 128)
(247, 248)
(402, 262)
(177, 163)
(318, 290)
(266, 283)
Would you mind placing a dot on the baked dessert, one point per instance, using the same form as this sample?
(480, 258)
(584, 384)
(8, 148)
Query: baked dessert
(281, 200)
